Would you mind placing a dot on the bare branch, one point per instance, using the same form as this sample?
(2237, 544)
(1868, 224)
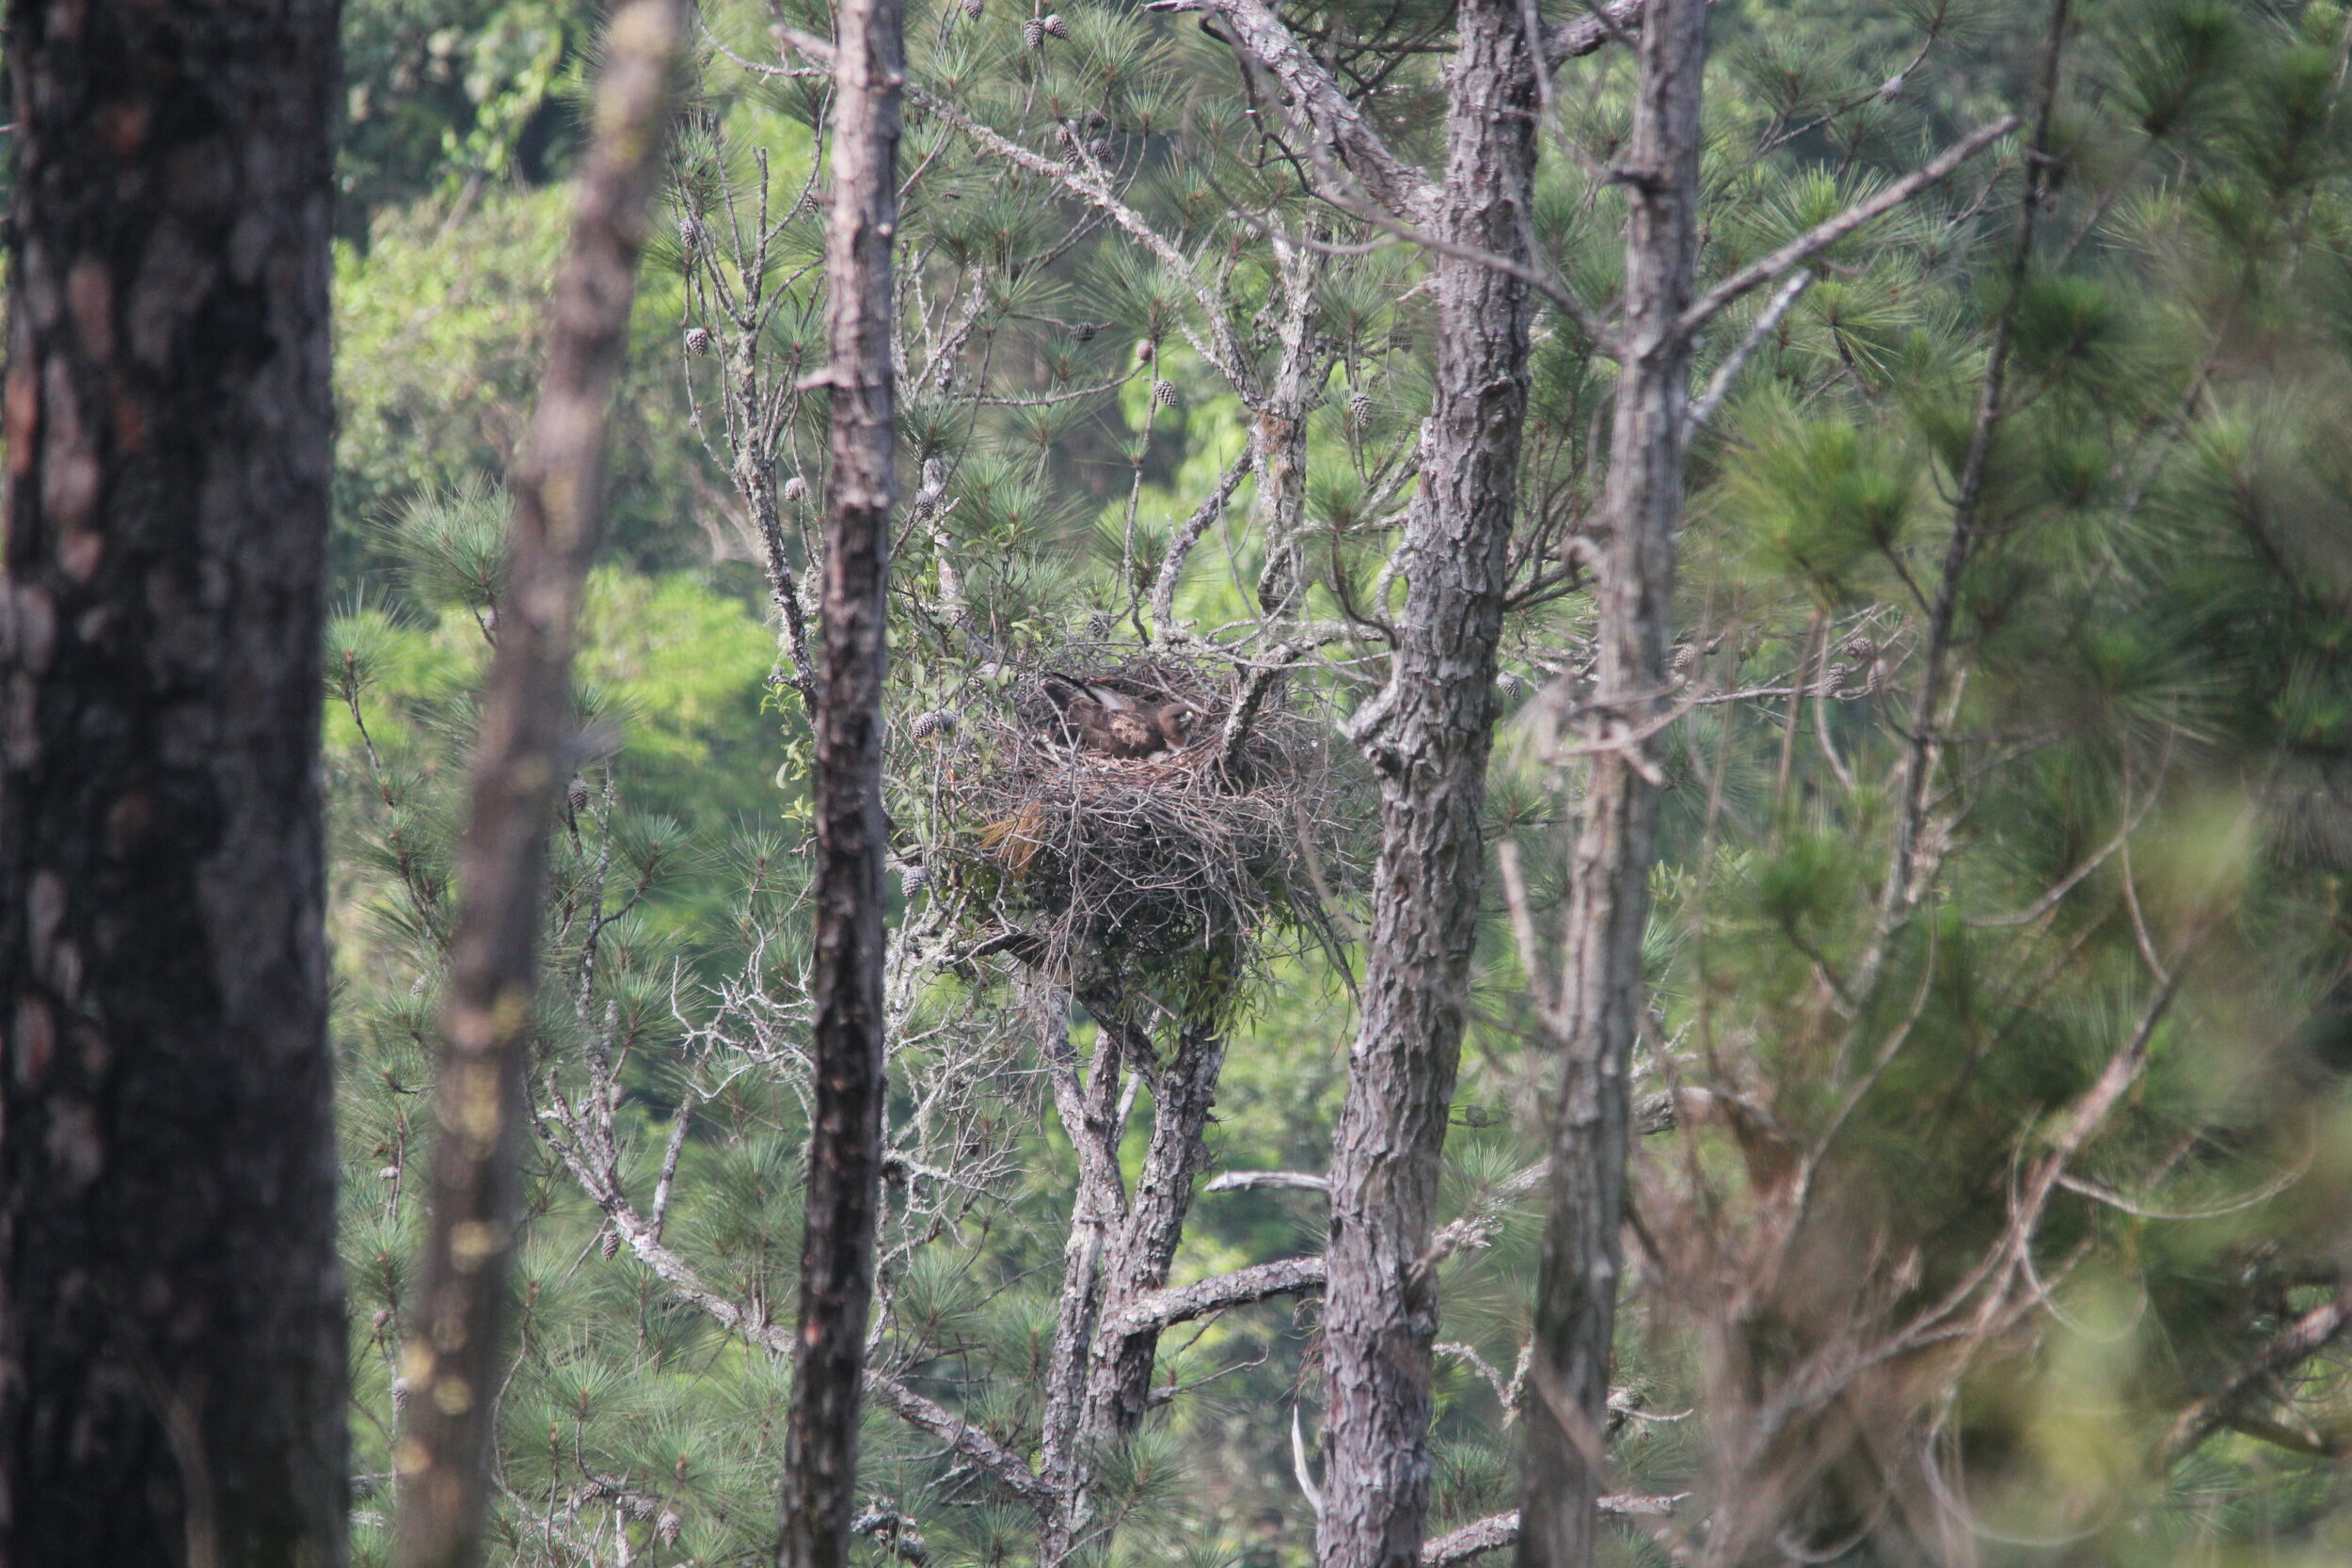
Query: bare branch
(2298, 1342)
(1289, 1180)
(688, 1286)
(1086, 184)
(1264, 674)
(1498, 1530)
(1180, 548)
(1729, 371)
(959, 1434)
(1573, 40)
(1476, 1539)
(1820, 238)
(1181, 1304)
(1318, 105)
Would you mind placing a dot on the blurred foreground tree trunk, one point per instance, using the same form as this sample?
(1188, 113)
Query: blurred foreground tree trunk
(455, 1359)
(844, 1188)
(171, 1311)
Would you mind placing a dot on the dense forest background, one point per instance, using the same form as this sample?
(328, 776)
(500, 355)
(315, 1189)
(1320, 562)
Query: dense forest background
(1911, 1283)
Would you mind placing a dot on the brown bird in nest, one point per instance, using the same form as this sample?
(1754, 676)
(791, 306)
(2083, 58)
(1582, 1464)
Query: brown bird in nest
(1102, 719)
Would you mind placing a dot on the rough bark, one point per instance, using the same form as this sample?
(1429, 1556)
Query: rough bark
(1142, 1250)
(1609, 892)
(844, 1191)
(1278, 434)
(171, 1342)
(1428, 735)
(1121, 1248)
(454, 1363)
(1090, 1113)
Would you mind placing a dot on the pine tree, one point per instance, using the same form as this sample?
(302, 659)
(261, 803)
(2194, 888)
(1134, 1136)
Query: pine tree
(171, 1377)
(1162, 402)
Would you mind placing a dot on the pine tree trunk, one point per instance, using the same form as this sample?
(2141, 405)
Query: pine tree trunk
(1121, 1249)
(1144, 1249)
(172, 1386)
(1609, 892)
(456, 1361)
(1089, 1114)
(845, 1134)
(1428, 737)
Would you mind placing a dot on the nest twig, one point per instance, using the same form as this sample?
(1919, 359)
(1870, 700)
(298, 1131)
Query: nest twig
(1171, 868)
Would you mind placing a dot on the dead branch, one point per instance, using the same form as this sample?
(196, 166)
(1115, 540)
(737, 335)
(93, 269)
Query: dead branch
(2301, 1340)
(1182, 1304)
(1821, 236)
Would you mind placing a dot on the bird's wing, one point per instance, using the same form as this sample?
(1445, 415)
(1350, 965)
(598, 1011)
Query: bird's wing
(1112, 700)
(1131, 734)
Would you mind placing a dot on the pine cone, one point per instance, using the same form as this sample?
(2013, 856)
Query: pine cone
(1163, 395)
(575, 794)
(668, 1528)
(610, 1245)
(795, 490)
(689, 231)
(1033, 34)
(972, 9)
(400, 1396)
(383, 1318)
(1084, 332)
(698, 340)
(390, 1173)
(1360, 408)
(1055, 27)
(913, 879)
(939, 721)
(1145, 350)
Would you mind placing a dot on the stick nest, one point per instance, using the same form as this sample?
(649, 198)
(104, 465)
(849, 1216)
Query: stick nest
(1175, 868)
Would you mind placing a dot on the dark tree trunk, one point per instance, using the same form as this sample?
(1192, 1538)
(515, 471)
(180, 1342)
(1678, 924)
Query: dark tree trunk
(1601, 994)
(845, 1134)
(171, 1327)
(456, 1362)
(1428, 736)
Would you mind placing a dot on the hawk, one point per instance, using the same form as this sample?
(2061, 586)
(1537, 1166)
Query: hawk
(1101, 719)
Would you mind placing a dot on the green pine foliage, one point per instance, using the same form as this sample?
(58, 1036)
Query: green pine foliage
(2140, 829)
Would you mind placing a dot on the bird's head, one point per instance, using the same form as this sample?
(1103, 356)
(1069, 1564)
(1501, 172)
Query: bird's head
(1182, 724)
